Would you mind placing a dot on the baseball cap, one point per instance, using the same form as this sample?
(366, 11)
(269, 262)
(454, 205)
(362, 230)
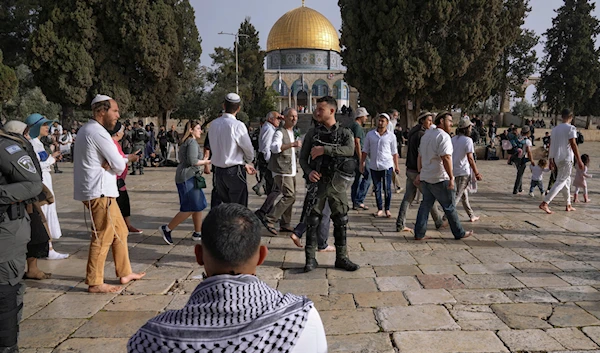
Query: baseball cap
(35, 121)
(360, 112)
(233, 98)
(464, 122)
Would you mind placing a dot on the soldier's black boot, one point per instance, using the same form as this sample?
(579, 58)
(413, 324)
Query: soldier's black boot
(310, 248)
(56, 171)
(341, 253)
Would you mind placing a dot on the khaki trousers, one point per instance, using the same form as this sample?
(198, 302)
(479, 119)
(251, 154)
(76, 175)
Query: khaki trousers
(109, 231)
(283, 209)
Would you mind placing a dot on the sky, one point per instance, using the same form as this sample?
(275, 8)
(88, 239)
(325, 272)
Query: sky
(214, 16)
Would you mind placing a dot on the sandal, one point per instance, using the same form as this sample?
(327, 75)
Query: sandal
(286, 230)
(363, 206)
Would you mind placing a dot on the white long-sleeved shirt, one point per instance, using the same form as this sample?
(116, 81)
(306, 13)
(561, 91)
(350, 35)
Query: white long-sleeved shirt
(276, 148)
(230, 143)
(267, 131)
(380, 149)
(38, 147)
(94, 146)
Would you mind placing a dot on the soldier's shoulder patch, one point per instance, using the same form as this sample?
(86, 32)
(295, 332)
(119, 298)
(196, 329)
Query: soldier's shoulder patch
(12, 149)
(26, 163)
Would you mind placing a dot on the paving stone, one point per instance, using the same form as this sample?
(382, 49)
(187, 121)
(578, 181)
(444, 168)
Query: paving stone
(571, 338)
(378, 247)
(333, 302)
(380, 299)
(352, 285)
(444, 257)
(592, 307)
(411, 246)
(429, 296)
(592, 332)
(534, 280)
(489, 268)
(496, 255)
(572, 266)
(524, 316)
(42, 333)
(35, 301)
(529, 340)
(396, 284)
(494, 324)
(363, 272)
(92, 345)
(441, 269)
(382, 258)
(178, 301)
(530, 295)
(74, 306)
(575, 293)
(541, 255)
(581, 278)
(372, 342)
(269, 273)
(167, 272)
(449, 342)
(304, 286)
(570, 315)
(114, 324)
(298, 273)
(536, 267)
(440, 282)
(398, 270)
(415, 318)
(150, 286)
(490, 281)
(479, 296)
(36, 350)
(472, 312)
(338, 322)
(139, 303)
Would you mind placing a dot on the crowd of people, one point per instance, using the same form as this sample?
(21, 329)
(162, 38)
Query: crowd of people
(440, 165)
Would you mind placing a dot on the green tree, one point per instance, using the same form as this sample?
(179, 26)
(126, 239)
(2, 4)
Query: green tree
(8, 83)
(17, 18)
(522, 108)
(571, 68)
(439, 52)
(517, 63)
(29, 98)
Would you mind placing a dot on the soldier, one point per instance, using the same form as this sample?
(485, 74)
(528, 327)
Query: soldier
(20, 183)
(139, 138)
(327, 158)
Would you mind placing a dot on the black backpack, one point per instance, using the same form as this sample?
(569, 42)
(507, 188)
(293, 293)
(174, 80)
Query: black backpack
(580, 139)
(139, 135)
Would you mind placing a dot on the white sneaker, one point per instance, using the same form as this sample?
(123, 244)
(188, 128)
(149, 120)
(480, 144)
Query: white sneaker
(196, 236)
(53, 255)
(531, 194)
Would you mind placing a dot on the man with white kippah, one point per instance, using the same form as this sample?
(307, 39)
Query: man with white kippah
(232, 153)
(97, 163)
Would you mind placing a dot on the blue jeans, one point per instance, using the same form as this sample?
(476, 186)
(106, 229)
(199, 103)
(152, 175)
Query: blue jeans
(379, 177)
(431, 193)
(360, 187)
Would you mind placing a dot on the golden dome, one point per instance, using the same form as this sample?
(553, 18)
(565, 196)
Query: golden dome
(303, 28)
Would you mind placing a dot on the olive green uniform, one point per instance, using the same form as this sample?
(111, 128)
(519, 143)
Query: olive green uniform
(338, 143)
(20, 182)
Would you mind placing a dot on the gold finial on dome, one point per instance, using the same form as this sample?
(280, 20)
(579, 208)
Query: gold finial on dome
(303, 28)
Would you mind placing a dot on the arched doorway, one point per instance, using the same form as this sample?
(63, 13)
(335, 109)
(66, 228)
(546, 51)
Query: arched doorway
(302, 101)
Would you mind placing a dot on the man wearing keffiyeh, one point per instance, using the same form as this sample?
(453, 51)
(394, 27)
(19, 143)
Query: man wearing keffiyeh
(232, 310)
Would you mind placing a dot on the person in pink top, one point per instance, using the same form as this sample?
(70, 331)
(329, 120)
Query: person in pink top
(123, 200)
(580, 182)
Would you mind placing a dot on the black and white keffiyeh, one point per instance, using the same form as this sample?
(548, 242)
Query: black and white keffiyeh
(226, 314)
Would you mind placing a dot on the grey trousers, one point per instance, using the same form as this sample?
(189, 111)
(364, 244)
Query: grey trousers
(409, 196)
(462, 182)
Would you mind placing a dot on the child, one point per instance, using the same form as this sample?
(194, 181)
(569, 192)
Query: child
(580, 182)
(537, 176)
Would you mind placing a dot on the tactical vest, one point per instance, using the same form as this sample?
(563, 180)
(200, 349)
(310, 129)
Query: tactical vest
(281, 163)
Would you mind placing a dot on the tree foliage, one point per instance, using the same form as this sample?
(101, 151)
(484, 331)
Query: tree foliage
(522, 108)
(517, 63)
(571, 68)
(8, 82)
(442, 51)
(29, 98)
(17, 18)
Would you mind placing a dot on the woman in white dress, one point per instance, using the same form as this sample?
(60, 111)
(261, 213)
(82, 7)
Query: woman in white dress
(38, 127)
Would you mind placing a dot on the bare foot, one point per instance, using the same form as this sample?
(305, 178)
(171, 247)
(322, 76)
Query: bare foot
(132, 277)
(379, 214)
(424, 238)
(570, 208)
(474, 219)
(406, 229)
(467, 234)
(388, 214)
(586, 200)
(329, 248)
(576, 200)
(104, 288)
(296, 240)
(544, 207)
(39, 275)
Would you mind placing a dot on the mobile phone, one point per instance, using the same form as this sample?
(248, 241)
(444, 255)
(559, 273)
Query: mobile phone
(139, 153)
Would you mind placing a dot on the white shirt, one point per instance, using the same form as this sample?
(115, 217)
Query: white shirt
(434, 144)
(560, 149)
(380, 149)
(267, 131)
(94, 146)
(312, 339)
(276, 148)
(462, 145)
(230, 143)
(58, 127)
(392, 125)
(537, 173)
(38, 147)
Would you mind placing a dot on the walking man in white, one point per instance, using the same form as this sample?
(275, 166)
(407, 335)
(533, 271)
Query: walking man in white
(96, 166)
(562, 150)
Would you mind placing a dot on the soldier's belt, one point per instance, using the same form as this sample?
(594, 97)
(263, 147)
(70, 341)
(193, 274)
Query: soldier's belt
(13, 212)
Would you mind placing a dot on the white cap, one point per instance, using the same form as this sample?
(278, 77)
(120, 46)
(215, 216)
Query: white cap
(233, 98)
(360, 112)
(385, 115)
(100, 98)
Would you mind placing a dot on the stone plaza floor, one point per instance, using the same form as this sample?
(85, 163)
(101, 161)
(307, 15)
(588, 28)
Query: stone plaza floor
(525, 282)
